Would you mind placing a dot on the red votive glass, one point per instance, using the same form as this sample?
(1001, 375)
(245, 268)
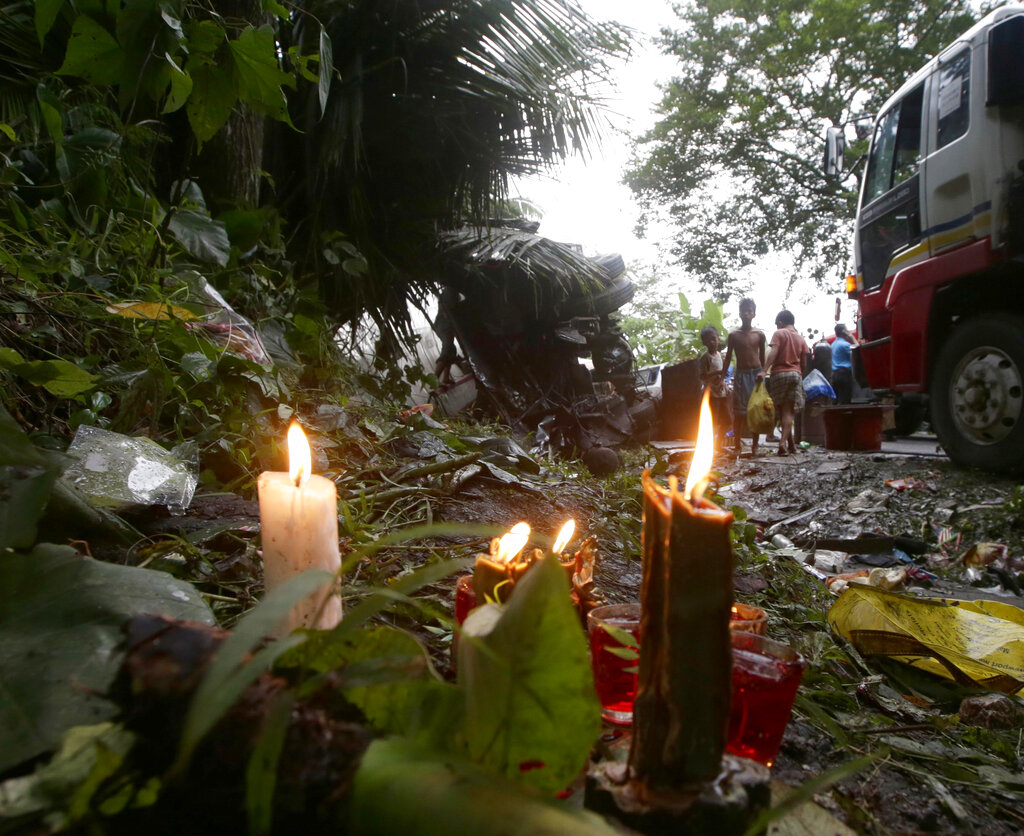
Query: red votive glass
(615, 677)
(748, 619)
(465, 598)
(765, 676)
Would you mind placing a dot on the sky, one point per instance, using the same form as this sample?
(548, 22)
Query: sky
(584, 201)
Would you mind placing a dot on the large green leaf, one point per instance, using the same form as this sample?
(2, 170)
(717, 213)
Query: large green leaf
(58, 377)
(202, 236)
(257, 74)
(531, 711)
(93, 54)
(26, 479)
(45, 14)
(213, 97)
(404, 788)
(60, 626)
(181, 86)
(387, 673)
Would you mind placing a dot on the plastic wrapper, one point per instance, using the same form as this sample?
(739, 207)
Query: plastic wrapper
(222, 325)
(816, 386)
(975, 643)
(115, 471)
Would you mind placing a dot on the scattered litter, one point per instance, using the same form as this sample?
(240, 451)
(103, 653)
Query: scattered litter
(832, 562)
(975, 643)
(982, 554)
(114, 471)
(910, 484)
(887, 578)
(866, 501)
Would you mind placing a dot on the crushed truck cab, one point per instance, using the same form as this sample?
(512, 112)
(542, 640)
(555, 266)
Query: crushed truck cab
(939, 243)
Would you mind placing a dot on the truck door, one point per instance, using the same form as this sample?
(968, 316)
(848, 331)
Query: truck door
(890, 222)
(955, 166)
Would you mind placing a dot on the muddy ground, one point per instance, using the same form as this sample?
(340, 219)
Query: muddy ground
(928, 772)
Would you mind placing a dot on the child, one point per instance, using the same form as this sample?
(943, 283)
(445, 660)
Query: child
(712, 375)
(748, 345)
(786, 362)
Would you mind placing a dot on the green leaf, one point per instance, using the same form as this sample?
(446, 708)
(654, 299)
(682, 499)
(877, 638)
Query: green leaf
(58, 377)
(46, 12)
(198, 365)
(257, 74)
(261, 772)
(528, 683)
(387, 674)
(451, 796)
(202, 236)
(8, 131)
(60, 626)
(205, 37)
(181, 86)
(323, 84)
(93, 54)
(57, 785)
(24, 493)
(213, 97)
(275, 8)
(230, 672)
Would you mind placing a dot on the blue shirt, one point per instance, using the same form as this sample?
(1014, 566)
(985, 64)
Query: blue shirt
(841, 354)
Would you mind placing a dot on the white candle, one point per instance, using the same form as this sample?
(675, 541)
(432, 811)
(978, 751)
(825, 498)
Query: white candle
(299, 521)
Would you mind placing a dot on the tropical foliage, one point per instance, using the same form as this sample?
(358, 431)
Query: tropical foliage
(734, 160)
(661, 332)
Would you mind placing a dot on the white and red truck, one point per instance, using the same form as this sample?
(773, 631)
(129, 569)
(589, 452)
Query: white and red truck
(938, 244)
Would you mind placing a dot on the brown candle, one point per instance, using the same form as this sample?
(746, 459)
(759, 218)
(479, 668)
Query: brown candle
(681, 714)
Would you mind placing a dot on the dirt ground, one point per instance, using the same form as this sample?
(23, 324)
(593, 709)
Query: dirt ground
(929, 772)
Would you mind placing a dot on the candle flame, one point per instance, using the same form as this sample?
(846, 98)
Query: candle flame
(564, 536)
(703, 454)
(512, 543)
(300, 458)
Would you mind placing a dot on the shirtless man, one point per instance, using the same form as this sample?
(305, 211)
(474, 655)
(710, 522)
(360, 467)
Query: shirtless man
(748, 345)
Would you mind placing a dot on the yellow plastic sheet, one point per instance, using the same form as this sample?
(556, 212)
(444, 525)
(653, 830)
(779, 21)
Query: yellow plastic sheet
(975, 643)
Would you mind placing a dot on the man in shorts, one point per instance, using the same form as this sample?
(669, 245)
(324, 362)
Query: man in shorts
(747, 343)
(786, 360)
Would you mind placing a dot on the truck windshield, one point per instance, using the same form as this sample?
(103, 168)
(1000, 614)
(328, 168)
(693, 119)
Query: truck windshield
(895, 147)
(890, 217)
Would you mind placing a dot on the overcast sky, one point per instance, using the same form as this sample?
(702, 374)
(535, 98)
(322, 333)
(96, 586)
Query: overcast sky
(585, 202)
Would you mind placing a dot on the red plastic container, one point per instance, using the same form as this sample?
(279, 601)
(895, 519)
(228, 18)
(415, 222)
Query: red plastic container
(854, 426)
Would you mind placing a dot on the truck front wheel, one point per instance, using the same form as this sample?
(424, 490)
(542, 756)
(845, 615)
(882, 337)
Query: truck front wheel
(977, 394)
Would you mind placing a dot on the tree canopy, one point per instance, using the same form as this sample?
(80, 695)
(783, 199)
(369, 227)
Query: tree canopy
(734, 159)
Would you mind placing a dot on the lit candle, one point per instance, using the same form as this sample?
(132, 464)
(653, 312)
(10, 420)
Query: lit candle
(495, 574)
(299, 521)
(681, 714)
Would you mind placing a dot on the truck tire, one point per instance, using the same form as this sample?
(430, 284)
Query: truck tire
(977, 394)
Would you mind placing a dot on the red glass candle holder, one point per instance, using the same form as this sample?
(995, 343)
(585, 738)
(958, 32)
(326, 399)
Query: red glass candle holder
(765, 676)
(615, 677)
(465, 598)
(748, 619)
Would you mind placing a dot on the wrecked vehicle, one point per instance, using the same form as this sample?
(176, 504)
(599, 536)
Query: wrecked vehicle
(525, 313)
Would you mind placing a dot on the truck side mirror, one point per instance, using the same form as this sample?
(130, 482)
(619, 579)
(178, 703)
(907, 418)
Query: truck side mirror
(835, 147)
(1005, 69)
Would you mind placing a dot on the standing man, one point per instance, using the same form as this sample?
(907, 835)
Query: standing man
(748, 345)
(842, 365)
(786, 359)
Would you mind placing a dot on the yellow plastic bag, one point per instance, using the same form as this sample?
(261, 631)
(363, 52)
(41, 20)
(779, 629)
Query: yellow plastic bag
(975, 643)
(760, 410)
